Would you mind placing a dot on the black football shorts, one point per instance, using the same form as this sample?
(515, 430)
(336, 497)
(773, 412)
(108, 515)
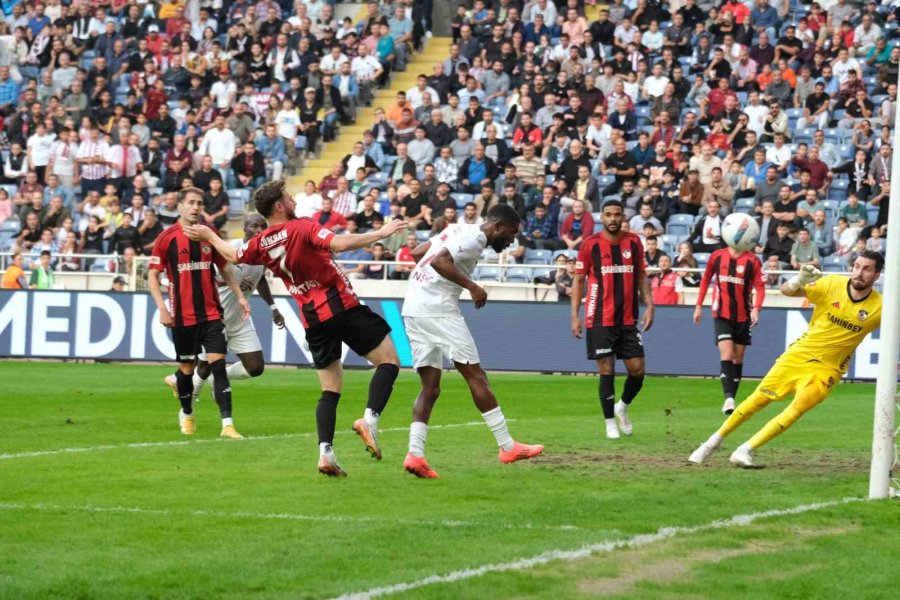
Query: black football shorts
(621, 341)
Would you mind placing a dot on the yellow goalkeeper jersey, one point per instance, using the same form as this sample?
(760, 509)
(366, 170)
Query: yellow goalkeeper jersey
(838, 324)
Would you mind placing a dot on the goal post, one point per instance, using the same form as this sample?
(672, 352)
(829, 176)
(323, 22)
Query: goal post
(884, 451)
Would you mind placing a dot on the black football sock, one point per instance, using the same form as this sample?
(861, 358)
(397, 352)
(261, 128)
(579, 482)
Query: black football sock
(726, 376)
(185, 385)
(221, 387)
(738, 375)
(633, 385)
(608, 396)
(381, 386)
(326, 416)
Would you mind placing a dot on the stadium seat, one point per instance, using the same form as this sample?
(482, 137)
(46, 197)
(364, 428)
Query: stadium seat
(11, 226)
(538, 257)
(681, 230)
(489, 255)
(519, 275)
(462, 198)
(237, 200)
(834, 264)
(422, 236)
(566, 253)
(872, 212)
(682, 218)
(702, 258)
(487, 274)
(745, 205)
(605, 180)
(832, 207)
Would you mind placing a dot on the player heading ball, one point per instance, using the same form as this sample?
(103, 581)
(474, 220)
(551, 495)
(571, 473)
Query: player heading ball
(299, 251)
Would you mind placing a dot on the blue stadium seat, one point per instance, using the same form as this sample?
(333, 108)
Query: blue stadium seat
(832, 207)
(519, 275)
(489, 255)
(745, 205)
(487, 274)
(538, 257)
(422, 236)
(238, 200)
(682, 218)
(566, 253)
(11, 226)
(681, 230)
(702, 258)
(872, 212)
(461, 198)
(834, 264)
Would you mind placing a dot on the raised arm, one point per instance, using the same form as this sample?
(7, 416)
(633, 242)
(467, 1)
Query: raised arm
(354, 241)
(795, 287)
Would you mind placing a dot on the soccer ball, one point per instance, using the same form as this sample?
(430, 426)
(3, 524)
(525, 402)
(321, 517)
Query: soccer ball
(740, 231)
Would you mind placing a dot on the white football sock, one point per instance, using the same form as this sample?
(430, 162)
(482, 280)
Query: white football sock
(611, 422)
(714, 440)
(745, 447)
(325, 448)
(237, 371)
(198, 386)
(496, 422)
(417, 434)
(227, 421)
(371, 419)
(620, 406)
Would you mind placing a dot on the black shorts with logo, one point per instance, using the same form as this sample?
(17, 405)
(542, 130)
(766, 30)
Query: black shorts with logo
(359, 328)
(191, 340)
(739, 333)
(623, 341)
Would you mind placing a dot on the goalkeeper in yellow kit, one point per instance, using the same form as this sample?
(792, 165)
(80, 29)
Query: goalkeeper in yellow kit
(846, 311)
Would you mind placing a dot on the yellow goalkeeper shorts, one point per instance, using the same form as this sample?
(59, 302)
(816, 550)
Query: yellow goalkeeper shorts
(787, 376)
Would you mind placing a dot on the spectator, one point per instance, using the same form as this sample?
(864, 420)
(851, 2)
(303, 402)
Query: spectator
(667, 286)
(804, 252)
(148, 231)
(476, 171)
(309, 201)
(577, 226)
(215, 205)
(821, 233)
(330, 219)
(42, 276)
(708, 230)
(686, 262)
(540, 229)
(772, 279)
(126, 235)
(781, 245)
(564, 277)
(248, 169)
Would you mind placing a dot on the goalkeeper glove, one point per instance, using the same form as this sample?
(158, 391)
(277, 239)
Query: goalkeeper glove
(807, 275)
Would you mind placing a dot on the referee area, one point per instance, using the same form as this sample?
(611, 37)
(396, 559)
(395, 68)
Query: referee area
(101, 497)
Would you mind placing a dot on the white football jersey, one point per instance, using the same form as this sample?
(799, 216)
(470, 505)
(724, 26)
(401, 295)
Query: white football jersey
(248, 277)
(428, 294)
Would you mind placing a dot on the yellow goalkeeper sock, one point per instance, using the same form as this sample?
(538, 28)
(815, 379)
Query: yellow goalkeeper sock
(804, 400)
(746, 409)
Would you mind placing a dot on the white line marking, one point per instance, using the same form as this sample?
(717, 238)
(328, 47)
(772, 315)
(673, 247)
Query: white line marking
(635, 541)
(451, 523)
(38, 453)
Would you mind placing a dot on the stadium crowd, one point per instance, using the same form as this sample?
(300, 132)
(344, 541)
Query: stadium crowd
(684, 110)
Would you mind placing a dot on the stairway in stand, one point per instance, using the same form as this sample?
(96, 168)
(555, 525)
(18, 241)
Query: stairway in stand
(435, 50)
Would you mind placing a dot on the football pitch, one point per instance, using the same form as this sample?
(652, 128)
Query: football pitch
(101, 497)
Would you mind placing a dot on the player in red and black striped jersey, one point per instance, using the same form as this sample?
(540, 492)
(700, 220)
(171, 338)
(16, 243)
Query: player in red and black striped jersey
(299, 252)
(193, 311)
(612, 263)
(733, 276)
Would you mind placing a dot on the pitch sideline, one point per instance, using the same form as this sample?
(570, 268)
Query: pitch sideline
(39, 453)
(635, 541)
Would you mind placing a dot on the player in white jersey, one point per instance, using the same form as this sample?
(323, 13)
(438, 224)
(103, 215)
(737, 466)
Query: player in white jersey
(436, 329)
(240, 333)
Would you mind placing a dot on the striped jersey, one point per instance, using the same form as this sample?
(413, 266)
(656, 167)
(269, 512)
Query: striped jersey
(612, 272)
(189, 266)
(90, 149)
(733, 278)
(299, 252)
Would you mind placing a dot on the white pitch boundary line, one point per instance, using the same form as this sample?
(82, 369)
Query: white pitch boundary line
(59, 451)
(451, 523)
(635, 541)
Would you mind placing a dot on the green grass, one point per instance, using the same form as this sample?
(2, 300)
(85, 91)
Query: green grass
(204, 533)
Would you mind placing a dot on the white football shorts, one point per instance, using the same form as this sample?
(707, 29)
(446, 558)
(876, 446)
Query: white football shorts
(241, 338)
(431, 339)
